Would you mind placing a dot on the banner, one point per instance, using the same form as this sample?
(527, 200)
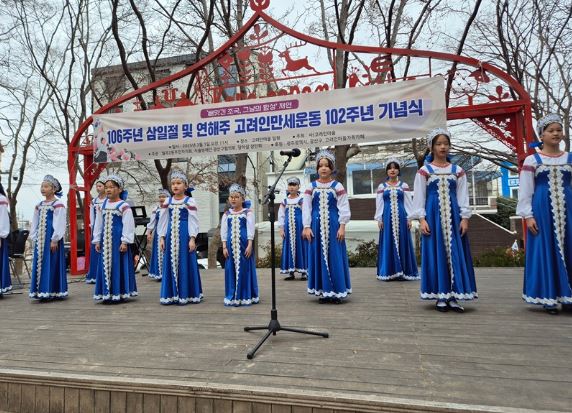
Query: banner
(392, 111)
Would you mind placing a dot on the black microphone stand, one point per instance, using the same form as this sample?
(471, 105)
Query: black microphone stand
(274, 325)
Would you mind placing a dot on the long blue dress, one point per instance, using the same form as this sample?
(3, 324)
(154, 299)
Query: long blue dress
(49, 278)
(5, 279)
(157, 256)
(181, 283)
(548, 261)
(115, 280)
(328, 266)
(294, 248)
(240, 280)
(94, 256)
(395, 258)
(446, 263)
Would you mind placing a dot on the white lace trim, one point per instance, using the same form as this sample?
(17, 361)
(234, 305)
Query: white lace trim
(324, 214)
(547, 301)
(177, 299)
(40, 241)
(48, 295)
(292, 228)
(175, 247)
(558, 205)
(393, 199)
(398, 275)
(325, 222)
(446, 296)
(107, 247)
(160, 256)
(443, 188)
(116, 297)
(235, 245)
(289, 270)
(235, 302)
(320, 293)
(157, 277)
(90, 281)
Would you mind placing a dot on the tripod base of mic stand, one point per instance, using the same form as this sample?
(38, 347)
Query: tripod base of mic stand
(273, 327)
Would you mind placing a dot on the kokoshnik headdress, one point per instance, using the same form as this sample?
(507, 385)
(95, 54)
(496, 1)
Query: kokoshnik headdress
(55, 183)
(163, 192)
(325, 154)
(293, 181)
(393, 160)
(178, 174)
(434, 133)
(238, 189)
(120, 183)
(547, 120)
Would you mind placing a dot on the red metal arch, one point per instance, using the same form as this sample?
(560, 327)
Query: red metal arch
(509, 121)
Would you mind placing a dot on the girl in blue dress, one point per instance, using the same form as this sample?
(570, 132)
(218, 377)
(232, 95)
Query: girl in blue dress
(95, 205)
(290, 224)
(396, 258)
(178, 228)
(237, 235)
(441, 203)
(49, 278)
(325, 213)
(5, 280)
(153, 239)
(545, 202)
(114, 231)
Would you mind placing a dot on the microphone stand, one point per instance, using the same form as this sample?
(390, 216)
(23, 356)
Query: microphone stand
(274, 325)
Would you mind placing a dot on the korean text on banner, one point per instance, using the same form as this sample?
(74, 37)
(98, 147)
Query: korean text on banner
(393, 111)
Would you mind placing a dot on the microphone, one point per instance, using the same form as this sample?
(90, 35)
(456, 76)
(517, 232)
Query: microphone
(293, 153)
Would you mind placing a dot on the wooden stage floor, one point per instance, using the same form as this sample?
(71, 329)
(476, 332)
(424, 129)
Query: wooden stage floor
(383, 342)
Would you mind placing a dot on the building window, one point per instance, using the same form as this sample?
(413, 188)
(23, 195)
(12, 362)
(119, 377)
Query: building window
(365, 181)
(514, 192)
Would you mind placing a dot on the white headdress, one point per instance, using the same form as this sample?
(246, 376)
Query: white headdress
(547, 120)
(54, 182)
(327, 155)
(293, 181)
(434, 133)
(178, 174)
(117, 179)
(237, 188)
(393, 160)
(163, 192)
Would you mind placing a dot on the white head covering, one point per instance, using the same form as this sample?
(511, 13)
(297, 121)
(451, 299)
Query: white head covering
(547, 120)
(237, 188)
(178, 174)
(53, 182)
(434, 133)
(325, 154)
(393, 160)
(117, 179)
(293, 181)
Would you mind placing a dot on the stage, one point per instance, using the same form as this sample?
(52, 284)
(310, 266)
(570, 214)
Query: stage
(387, 351)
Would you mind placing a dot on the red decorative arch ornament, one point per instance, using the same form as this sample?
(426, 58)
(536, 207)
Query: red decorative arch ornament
(266, 57)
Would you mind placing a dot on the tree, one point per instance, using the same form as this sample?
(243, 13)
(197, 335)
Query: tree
(532, 41)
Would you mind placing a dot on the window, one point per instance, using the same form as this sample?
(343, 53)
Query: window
(514, 192)
(365, 181)
(362, 182)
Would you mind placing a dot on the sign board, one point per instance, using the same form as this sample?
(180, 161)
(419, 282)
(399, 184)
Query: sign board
(391, 111)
